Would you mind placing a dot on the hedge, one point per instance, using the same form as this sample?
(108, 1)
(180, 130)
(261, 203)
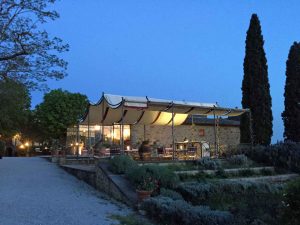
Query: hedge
(174, 212)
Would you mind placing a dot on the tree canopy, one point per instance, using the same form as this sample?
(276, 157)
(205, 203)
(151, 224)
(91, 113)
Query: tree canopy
(27, 53)
(256, 88)
(59, 110)
(291, 113)
(14, 107)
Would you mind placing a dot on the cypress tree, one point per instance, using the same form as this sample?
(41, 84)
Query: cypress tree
(291, 113)
(256, 88)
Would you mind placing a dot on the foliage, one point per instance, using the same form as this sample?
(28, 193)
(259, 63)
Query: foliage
(291, 214)
(60, 110)
(170, 194)
(238, 160)
(2, 147)
(121, 163)
(208, 163)
(162, 176)
(256, 88)
(291, 112)
(281, 155)
(14, 107)
(130, 219)
(248, 201)
(173, 212)
(246, 173)
(28, 55)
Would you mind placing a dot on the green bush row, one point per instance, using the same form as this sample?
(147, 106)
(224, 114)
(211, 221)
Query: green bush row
(281, 155)
(208, 163)
(247, 201)
(174, 212)
(240, 160)
(198, 192)
(146, 175)
(121, 164)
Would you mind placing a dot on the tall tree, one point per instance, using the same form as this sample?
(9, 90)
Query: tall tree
(291, 113)
(256, 88)
(60, 110)
(27, 53)
(14, 107)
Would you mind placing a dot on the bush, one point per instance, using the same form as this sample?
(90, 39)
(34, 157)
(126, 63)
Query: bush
(208, 163)
(121, 164)
(167, 211)
(202, 192)
(238, 160)
(246, 173)
(281, 155)
(291, 214)
(247, 200)
(164, 176)
(2, 148)
(170, 194)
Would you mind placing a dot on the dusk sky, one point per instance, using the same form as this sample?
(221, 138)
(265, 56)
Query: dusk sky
(181, 50)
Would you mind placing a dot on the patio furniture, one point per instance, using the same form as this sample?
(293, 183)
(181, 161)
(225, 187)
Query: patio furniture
(191, 153)
(115, 151)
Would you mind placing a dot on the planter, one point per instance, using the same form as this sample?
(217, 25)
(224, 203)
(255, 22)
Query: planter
(143, 194)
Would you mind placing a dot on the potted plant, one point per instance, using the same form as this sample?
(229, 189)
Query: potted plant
(145, 188)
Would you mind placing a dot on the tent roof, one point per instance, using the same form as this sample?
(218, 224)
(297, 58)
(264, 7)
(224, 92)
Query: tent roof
(111, 109)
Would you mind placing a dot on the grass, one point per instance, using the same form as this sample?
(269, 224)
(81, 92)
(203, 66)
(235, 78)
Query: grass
(131, 219)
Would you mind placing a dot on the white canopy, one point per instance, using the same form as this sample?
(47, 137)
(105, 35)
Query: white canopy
(116, 109)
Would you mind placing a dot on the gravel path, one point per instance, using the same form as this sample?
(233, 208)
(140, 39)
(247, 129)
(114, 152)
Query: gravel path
(34, 191)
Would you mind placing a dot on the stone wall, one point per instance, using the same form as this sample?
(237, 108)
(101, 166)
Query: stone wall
(116, 186)
(228, 135)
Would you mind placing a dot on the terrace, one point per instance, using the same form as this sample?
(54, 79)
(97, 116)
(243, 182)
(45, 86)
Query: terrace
(120, 124)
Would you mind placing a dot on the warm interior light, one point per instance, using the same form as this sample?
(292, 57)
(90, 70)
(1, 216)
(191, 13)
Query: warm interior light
(180, 147)
(22, 146)
(126, 133)
(27, 144)
(128, 147)
(77, 144)
(97, 127)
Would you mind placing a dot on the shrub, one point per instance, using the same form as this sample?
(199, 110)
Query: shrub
(173, 212)
(2, 147)
(170, 194)
(281, 155)
(291, 214)
(164, 176)
(208, 163)
(238, 160)
(246, 173)
(121, 164)
(202, 192)
(246, 200)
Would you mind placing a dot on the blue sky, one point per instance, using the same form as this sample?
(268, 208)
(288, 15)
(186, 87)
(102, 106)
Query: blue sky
(183, 50)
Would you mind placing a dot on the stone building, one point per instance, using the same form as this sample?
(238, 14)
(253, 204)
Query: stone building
(200, 129)
(122, 122)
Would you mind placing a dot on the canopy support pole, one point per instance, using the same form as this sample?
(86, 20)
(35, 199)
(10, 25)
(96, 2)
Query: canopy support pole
(218, 135)
(144, 132)
(77, 140)
(215, 133)
(113, 134)
(173, 137)
(89, 138)
(122, 128)
(102, 124)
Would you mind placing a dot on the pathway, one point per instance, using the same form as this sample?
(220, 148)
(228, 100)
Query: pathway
(34, 191)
